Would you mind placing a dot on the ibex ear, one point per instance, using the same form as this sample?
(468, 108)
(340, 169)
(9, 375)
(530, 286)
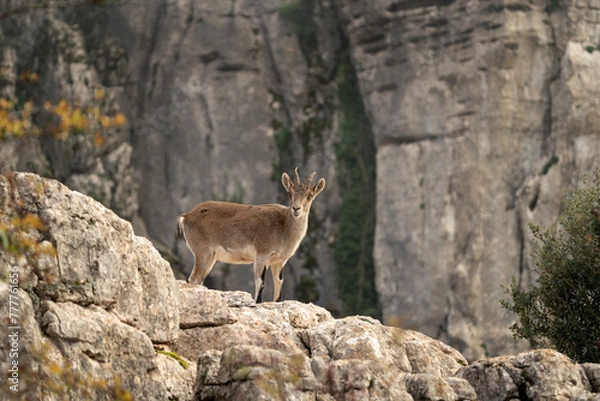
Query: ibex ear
(286, 181)
(319, 186)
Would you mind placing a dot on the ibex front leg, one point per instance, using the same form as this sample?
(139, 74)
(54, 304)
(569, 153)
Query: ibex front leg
(260, 268)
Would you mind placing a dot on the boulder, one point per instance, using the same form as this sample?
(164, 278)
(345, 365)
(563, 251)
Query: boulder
(89, 301)
(98, 261)
(537, 375)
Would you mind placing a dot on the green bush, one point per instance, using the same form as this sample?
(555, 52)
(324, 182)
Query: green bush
(562, 310)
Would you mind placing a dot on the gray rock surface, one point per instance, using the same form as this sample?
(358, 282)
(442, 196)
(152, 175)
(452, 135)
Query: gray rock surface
(218, 98)
(99, 261)
(89, 313)
(298, 351)
(56, 48)
(217, 87)
(482, 114)
(292, 350)
(535, 375)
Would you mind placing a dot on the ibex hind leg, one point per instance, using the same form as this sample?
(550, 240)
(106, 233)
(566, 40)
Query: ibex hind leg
(277, 273)
(260, 268)
(203, 264)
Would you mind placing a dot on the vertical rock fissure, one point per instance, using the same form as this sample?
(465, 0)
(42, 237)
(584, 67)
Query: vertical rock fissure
(274, 67)
(353, 250)
(146, 65)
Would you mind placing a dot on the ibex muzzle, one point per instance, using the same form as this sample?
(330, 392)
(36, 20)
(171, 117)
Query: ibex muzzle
(264, 235)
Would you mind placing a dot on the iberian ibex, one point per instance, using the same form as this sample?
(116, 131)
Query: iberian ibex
(264, 235)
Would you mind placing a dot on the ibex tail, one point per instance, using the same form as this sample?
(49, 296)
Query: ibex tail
(180, 233)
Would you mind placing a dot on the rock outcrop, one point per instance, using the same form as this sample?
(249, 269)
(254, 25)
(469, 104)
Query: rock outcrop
(102, 317)
(298, 351)
(527, 376)
(291, 350)
(87, 299)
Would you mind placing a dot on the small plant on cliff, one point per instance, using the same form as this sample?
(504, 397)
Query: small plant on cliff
(44, 376)
(184, 364)
(563, 309)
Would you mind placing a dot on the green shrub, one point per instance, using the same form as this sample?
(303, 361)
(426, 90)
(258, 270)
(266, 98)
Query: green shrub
(562, 310)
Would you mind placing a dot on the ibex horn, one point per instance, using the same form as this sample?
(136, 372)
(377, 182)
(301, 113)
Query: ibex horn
(297, 176)
(310, 178)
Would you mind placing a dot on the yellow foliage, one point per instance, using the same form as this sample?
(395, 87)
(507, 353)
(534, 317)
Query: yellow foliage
(32, 220)
(99, 94)
(21, 235)
(99, 139)
(119, 120)
(43, 374)
(29, 76)
(78, 120)
(105, 121)
(63, 118)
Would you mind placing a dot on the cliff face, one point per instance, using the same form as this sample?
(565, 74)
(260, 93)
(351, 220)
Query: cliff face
(480, 112)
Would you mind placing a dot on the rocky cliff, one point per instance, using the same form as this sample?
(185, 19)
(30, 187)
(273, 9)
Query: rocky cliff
(101, 317)
(84, 299)
(463, 119)
(482, 113)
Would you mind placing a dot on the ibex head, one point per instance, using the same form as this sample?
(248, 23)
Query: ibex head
(301, 194)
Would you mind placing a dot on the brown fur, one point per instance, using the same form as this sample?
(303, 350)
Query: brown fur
(264, 235)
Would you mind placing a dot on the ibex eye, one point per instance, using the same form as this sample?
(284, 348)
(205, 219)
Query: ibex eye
(309, 197)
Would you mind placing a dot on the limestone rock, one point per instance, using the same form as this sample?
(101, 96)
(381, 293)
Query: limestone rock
(215, 93)
(298, 351)
(91, 300)
(22, 337)
(592, 371)
(291, 350)
(72, 337)
(70, 71)
(482, 114)
(98, 260)
(534, 375)
(173, 381)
